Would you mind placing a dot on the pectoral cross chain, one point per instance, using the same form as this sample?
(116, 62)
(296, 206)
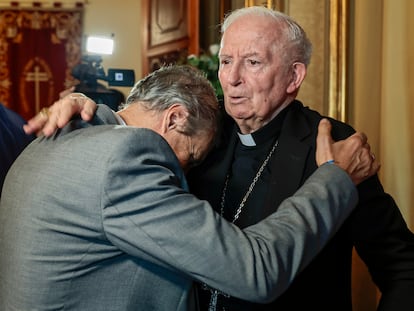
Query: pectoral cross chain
(212, 306)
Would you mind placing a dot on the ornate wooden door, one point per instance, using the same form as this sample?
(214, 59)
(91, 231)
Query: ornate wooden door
(170, 32)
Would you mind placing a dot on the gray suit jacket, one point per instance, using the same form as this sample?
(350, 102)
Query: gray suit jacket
(99, 218)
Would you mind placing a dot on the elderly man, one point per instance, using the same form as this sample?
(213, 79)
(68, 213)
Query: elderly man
(106, 222)
(266, 153)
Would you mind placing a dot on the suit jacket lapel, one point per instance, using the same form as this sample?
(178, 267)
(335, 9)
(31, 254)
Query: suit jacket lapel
(290, 159)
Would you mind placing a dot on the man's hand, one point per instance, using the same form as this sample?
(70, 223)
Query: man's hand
(352, 154)
(60, 113)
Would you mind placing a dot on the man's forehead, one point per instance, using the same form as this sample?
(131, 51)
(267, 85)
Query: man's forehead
(253, 49)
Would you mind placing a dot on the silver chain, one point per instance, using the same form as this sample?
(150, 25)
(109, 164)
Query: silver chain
(249, 191)
(214, 292)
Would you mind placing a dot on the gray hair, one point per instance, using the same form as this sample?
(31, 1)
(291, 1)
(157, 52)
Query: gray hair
(181, 84)
(294, 35)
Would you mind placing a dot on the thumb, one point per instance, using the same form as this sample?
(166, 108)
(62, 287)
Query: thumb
(324, 151)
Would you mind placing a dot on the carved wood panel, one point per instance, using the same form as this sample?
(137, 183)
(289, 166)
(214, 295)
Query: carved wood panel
(170, 32)
(168, 21)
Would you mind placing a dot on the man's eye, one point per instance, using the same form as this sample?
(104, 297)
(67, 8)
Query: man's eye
(224, 61)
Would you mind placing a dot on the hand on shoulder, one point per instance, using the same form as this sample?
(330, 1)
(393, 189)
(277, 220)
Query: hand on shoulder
(60, 113)
(353, 154)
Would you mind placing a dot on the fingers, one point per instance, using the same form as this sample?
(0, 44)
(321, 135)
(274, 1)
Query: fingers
(367, 164)
(35, 124)
(355, 157)
(324, 151)
(362, 173)
(60, 113)
(59, 116)
(346, 152)
(88, 109)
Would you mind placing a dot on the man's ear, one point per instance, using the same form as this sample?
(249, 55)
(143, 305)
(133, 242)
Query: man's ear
(176, 118)
(298, 75)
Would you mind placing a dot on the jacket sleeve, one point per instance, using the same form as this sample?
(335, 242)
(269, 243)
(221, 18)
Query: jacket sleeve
(387, 248)
(147, 214)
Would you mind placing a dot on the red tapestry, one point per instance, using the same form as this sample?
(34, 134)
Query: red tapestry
(38, 49)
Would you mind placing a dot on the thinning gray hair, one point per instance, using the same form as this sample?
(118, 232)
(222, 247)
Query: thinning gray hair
(182, 84)
(300, 47)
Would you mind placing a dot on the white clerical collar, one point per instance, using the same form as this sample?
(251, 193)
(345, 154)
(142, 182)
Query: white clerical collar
(247, 139)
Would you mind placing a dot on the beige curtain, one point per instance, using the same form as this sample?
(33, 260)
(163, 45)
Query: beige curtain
(383, 91)
(397, 110)
(382, 97)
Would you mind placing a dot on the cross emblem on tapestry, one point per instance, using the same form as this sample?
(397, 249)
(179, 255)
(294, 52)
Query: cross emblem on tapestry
(39, 48)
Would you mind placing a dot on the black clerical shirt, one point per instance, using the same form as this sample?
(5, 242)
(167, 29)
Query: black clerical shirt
(245, 165)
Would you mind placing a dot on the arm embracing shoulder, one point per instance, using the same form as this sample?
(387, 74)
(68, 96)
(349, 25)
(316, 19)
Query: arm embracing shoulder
(156, 220)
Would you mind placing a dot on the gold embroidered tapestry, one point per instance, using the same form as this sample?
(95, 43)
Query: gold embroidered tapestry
(38, 49)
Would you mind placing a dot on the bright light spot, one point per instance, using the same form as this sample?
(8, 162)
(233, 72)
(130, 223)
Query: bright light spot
(99, 45)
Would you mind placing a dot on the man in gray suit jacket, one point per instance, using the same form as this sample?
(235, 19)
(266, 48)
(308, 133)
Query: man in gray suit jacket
(100, 218)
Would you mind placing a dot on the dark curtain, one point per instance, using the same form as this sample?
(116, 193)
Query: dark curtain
(38, 49)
